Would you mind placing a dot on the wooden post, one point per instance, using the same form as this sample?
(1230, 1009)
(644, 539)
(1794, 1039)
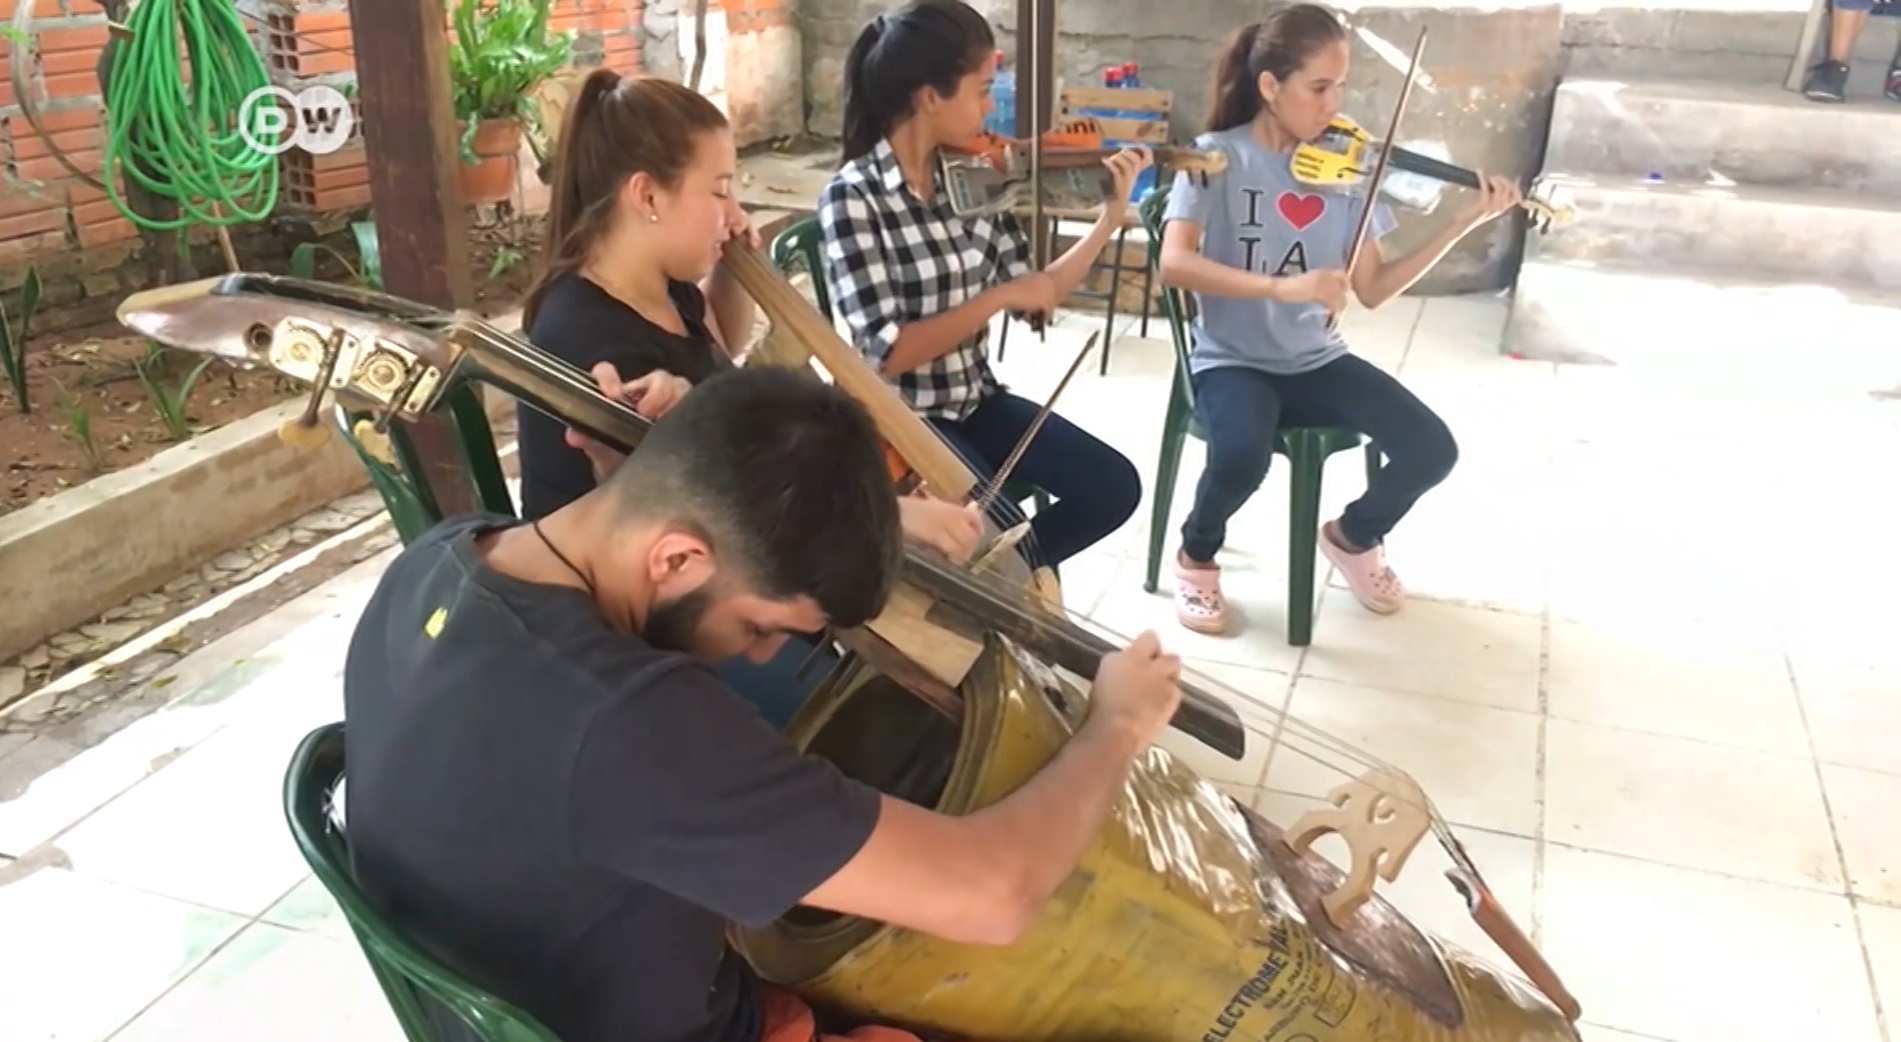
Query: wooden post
(1036, 79)
(409, 139)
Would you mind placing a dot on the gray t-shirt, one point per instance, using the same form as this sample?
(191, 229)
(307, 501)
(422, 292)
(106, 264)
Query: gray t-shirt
(1254, 215)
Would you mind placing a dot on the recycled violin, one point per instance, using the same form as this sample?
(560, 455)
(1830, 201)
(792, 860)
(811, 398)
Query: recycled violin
(1345, 155)
(995, 174)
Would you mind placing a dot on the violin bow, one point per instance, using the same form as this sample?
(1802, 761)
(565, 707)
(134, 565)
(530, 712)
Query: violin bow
(1379, 166)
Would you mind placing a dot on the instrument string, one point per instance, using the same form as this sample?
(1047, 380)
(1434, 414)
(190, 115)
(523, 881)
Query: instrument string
(783, 302)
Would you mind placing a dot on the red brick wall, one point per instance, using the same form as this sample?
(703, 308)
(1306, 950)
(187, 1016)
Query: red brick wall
(64, 214)
(43, 209)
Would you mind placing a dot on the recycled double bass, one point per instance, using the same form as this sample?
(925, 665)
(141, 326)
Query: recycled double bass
(1191, 920)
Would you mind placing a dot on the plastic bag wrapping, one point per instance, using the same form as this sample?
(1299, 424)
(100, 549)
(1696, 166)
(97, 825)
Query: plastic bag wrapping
(1187, 921)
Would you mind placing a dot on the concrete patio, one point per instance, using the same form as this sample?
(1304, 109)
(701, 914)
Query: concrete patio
(1650, 674)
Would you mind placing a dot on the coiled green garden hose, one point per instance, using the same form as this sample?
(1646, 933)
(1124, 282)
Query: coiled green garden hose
(180, 139)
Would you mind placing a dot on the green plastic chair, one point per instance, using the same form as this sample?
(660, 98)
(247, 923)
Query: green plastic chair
(1307, 450)
(412, 506)
(803, 246)
(409, 976)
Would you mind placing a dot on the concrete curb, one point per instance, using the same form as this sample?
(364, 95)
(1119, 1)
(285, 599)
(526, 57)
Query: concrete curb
(69, 558)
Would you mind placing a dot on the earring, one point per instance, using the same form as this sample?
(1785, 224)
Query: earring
(654, 218)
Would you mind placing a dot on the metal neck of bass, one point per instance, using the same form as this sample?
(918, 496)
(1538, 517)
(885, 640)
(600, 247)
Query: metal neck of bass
(564, 393)
(548, 385)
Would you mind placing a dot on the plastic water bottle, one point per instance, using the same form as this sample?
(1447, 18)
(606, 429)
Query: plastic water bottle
(1003, 90)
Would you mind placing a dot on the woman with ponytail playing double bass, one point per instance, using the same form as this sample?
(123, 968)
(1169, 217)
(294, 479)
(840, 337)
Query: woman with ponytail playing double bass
(1264, 256)
(917, 285)
(630, 289)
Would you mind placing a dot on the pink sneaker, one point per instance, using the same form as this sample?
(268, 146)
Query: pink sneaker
(1366, 573)
(1198, 602)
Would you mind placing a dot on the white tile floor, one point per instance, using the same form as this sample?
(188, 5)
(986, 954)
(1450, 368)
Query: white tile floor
(1664, 723)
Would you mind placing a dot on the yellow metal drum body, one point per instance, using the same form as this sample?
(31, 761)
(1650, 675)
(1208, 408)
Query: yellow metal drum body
(1188, 921)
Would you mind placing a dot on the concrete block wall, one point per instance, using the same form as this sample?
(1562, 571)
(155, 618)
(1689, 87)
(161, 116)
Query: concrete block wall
(1495, 68)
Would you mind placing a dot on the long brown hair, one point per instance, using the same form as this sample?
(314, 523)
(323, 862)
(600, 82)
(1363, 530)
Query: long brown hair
(614, 128)
(1279, 45)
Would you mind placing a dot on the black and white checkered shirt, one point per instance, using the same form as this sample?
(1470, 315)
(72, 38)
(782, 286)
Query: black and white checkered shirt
(892, 259)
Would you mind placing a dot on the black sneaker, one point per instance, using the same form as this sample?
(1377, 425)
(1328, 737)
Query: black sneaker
(1893, 89)
(1826, 81)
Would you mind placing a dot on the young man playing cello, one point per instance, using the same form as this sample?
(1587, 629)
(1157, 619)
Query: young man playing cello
(548, 786)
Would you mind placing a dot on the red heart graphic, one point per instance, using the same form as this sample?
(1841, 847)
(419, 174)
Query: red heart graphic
(1301, 210)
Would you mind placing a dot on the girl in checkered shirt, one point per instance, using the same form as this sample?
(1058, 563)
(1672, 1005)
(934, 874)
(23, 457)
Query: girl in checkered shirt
(918, 285)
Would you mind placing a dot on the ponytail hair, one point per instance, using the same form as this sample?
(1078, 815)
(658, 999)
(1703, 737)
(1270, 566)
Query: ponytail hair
(926, 43)
(1278, 46)
(615, 127)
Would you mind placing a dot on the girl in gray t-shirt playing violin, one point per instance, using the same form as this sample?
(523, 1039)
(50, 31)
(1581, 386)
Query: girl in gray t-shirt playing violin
(1264, 256)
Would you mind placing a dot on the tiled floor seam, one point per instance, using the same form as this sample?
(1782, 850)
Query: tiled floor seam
(1534, 917)
(194, 968)
(1841, 855)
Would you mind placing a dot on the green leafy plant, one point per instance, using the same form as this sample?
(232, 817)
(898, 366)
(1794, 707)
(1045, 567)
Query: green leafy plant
(505, 258)
(168, 400)
(79, 420)
(368, 272)
(13, 341)
(503, 51)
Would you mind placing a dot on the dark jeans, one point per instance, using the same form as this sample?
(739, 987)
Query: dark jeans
(1240, 409)
(1095, 488)
(772, 688)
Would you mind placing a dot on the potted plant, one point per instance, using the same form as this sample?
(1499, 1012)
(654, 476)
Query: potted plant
(502, 51)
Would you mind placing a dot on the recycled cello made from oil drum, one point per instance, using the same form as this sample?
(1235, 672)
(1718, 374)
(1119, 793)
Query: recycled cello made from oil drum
(1191, 919)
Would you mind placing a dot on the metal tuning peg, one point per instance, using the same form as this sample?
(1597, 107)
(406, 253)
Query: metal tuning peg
(307, 430)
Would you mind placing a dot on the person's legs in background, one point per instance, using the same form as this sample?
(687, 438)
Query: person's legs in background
(1828, 79)
(1096, 489)
(1240, 411)
(1419, 449)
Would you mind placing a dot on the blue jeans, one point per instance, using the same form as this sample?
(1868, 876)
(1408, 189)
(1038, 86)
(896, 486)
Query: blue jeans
(1241, 409)
(772, 688)
(1095, 488)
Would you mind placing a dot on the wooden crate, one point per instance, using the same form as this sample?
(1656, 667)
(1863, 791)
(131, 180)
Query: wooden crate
(1150, 127)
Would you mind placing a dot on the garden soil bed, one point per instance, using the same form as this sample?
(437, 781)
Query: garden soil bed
(93, 412)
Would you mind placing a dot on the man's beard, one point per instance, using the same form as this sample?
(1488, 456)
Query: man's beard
(670, 626)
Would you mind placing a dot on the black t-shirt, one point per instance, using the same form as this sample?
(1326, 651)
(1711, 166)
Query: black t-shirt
(568, 814)
(584, 325)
